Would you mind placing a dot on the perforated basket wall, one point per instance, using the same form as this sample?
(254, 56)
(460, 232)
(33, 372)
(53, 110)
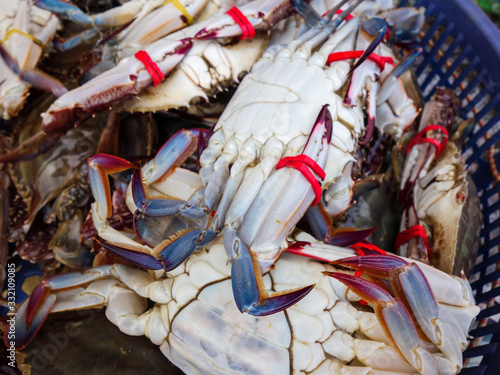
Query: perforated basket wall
(462, 51)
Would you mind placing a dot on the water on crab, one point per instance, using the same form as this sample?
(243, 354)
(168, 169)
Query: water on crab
(95, 346)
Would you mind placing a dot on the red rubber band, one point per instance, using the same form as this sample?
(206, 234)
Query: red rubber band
(361, 249)
(153, 69)
(349, 16)
(301, 164)
(243, 22)
(412, 232)
(346, 55)
(419, 138)
(305, 160)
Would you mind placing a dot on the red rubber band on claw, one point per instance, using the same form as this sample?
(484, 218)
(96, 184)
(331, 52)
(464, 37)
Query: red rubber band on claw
(243, 22)
(301, 164)
(367, 249)
(152, 68)
(419, 138)
(340, 12)
(346, 55)
(412, 232)
(349, 16)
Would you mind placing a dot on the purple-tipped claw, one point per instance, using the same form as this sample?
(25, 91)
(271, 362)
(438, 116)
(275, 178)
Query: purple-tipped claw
(137, 257)
(322, 228)
(99, 166)
(176, 252)
(248, 287)
(376, 265)
(391, 314)
(279, 301)
(364, 288)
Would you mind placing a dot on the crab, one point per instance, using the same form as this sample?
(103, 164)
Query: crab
(198, 327)
(434, 180)
(25, 31)
(140, 23)
(442, 184)
(242, 176)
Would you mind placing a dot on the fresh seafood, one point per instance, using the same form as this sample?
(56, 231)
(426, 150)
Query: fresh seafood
(247, 200)
(195, 317)
(215, 241)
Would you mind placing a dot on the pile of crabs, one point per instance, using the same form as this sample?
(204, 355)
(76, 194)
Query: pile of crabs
(256, 186)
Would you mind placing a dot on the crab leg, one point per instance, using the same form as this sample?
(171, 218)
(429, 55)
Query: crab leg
(33, 311)
(412, 288)
(396, 321)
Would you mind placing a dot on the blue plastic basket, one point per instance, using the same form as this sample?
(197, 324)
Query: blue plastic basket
(462, 51)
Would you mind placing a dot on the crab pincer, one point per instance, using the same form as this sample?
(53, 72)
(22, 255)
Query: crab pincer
(408, 309)
(170, 252)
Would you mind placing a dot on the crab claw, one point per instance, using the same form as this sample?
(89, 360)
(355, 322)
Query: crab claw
(170, 253)
(426, 146)
(260, 14)
(34, 77)
(395, 320)
(25, 328)
(113, 86)
(406, 63)
(249, 292)
(322, 227)
(411, 287)
(312, 18)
